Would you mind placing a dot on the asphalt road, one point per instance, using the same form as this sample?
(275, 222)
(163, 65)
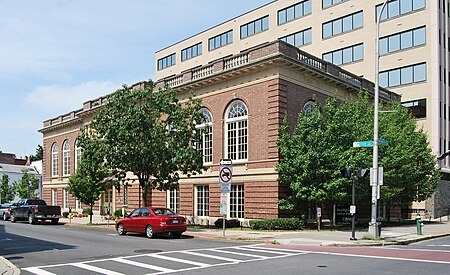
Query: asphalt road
(62, 249)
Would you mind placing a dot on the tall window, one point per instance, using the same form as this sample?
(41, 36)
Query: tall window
(174, 200)
(77, 156)
(237, 201)
(237, 131)
(205, 145)
(66, 198)
(202, 200)
(125, 194)
(66, 158)
(54, 197)
(55, 160)
(78, 204)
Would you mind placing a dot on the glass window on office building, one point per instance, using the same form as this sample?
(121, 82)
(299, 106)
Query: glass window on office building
(298, 39)
(66, 158)
(402, 76)
(205, 144)
(342, 25)
(329, 3)
(295, 11)
(191, 52)
(255, 27)
(345, 55)
(399, 7)
(167, 61)
(236, 138)
(55, 160)
(220, 40)
(403, 40)
(174, 199)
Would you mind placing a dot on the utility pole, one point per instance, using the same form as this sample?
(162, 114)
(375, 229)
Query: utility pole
(373, 226)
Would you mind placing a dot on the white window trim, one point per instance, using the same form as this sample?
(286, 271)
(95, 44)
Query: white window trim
(65, 198)
(66, 159)
(232, 120)
(77, 156)
(54, 197)
(196, 203)
(229, 203)
(55, 160)
(168, 200)
(203, 126)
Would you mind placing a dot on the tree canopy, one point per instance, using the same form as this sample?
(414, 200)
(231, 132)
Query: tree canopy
(320, 145)
(39, 153)
(150, 133)
(26, 187)
(6, 190)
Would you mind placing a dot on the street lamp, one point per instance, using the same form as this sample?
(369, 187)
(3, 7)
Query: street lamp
(373, 226)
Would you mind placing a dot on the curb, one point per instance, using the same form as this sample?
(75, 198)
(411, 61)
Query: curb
(422, 238)
(7, 267)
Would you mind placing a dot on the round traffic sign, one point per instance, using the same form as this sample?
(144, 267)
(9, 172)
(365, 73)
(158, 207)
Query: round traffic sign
(225, 174)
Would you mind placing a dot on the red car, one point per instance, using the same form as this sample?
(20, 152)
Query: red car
(151, 221)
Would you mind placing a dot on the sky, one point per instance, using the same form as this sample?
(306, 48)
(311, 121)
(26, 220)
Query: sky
(57, 54)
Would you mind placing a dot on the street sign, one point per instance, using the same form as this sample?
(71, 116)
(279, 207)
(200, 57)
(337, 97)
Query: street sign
(369, 143)
(380, 176)
(225, 175)
(223, 209)
(352, 209)
(319, 212)
(223, 203)
(363, 144)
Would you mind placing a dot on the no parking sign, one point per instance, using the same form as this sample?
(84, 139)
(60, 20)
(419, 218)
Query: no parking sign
(225, 175)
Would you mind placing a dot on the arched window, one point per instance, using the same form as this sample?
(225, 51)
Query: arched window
(236, 129)
(308, 107)
(66, 158)
(55, 160)
(77, 155)
(205, 145)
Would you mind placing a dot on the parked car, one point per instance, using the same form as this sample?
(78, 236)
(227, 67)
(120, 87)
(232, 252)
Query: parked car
(151, 221)
(33, 210)
(4, 210)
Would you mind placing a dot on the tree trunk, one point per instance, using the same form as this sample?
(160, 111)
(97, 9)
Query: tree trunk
(90, 213)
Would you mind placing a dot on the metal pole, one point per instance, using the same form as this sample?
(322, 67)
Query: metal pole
(224, 220)
(353, 238)
(373, 226)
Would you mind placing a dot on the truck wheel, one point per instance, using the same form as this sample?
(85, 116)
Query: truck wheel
(12, 218)
(55, 221)
(31, 220)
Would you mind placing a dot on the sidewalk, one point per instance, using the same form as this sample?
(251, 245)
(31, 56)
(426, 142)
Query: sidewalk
(389, 235)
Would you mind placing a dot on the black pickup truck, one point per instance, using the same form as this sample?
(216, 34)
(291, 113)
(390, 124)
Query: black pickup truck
(33, 210)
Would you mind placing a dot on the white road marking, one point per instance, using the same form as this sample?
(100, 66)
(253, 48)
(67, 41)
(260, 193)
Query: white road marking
(177, 260)
(210, 256)
(36, 270)
(149, 266)
(238, 253)
(96, 269)
(6, 239)
(259, 250)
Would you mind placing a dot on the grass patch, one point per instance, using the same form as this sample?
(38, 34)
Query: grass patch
(370, 238)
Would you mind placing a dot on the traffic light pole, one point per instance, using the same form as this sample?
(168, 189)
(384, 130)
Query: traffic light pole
(353, 238)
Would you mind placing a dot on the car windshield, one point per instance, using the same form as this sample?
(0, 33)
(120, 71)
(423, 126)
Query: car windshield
(163, 211)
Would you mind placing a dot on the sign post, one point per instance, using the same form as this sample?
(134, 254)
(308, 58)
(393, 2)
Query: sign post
(225, 176)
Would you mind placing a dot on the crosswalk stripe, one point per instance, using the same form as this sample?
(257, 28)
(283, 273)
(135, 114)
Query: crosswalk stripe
(210, 256)
(238, 253)
(149, 266)
(37, 270)
(266, 251)
(96, 269)
(177, 260)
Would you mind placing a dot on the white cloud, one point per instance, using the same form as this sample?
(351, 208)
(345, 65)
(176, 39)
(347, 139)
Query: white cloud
(64, 99)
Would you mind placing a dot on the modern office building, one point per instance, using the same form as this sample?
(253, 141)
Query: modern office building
(248, 77)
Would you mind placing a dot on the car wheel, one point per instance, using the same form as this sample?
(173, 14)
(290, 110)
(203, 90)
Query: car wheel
(55, 221)
(120, 229)
(176, 235)
(4, 217)
(31, 220)
(149, 231)
(12, 218)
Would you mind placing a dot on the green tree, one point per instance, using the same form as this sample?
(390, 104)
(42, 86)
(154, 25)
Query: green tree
(39, 153)
(6, 190)
(150, 133)
(87, 183)
(26, 187)
(320, 145)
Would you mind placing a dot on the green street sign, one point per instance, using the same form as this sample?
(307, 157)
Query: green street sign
(363, 144)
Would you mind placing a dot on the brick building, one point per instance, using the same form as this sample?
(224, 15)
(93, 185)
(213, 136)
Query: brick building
(244, 97)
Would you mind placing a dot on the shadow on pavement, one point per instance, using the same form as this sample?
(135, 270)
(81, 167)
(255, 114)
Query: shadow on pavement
(14, 244)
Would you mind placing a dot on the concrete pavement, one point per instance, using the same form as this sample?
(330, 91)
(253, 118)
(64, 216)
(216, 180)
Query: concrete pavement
(389, 235)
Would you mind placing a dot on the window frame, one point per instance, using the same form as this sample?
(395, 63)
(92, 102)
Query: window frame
(228, 36)
(338, 23)
(55, 160)
(254, 23)
(353, 48)
(283, 13)
(240, 141)
(185, 52)
(304, 33)
(173, 200)
(237, 202)
(202, 207)
(66, 158)
(205, 128)
(167, 61)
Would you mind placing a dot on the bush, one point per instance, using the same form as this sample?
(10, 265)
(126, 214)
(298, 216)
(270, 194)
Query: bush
(278, 224)
(228, 223)
(65, 214)
(87, 211)
(118, 213)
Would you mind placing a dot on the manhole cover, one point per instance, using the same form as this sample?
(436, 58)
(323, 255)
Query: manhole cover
(147, 251)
